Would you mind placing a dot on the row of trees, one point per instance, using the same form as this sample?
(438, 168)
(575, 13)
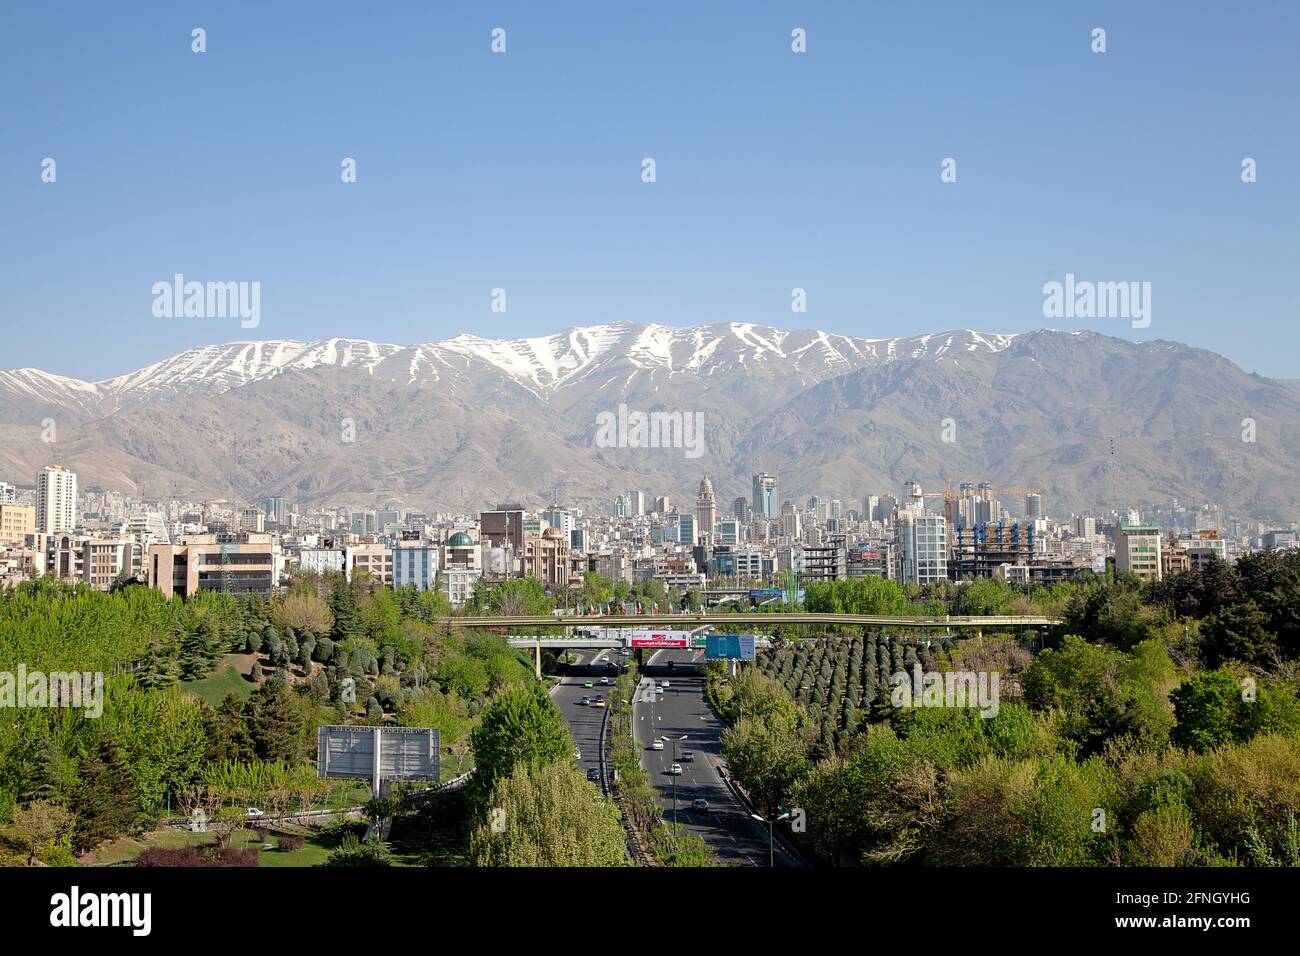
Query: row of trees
(1160, 737)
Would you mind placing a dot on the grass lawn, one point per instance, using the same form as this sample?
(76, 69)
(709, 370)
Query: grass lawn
(225, 679)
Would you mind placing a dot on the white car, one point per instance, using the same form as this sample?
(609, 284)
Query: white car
(577, 755)
(675, 770)
(254, 812)
(657, 745)
(664, 684)
(604, 680)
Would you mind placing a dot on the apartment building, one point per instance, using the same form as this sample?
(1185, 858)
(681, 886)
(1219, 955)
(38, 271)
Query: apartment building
(1137, 551)
(56, 500)
(16, 523)
(372, 557)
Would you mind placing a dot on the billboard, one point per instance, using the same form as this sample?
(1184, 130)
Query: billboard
(405, 753)
(660, 639)
(729, 647)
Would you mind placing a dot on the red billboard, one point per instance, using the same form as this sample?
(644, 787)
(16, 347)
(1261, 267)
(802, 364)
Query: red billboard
(661, 638)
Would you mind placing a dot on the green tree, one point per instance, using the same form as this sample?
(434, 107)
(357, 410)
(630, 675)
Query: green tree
(521, 727)
(274, 724)
(1208, 710)
(106, 803)
(547, 815)
(37, 826)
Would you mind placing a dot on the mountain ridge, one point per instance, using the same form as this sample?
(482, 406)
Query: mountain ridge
(1096, 421)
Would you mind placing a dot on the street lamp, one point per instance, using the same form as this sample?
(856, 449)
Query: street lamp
(672, 742)
(771, 838)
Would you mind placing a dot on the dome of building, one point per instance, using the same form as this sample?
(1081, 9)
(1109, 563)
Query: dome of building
(460, 540)
(552, 533)
(706, 488)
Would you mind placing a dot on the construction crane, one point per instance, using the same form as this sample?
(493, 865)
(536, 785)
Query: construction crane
(965, 490)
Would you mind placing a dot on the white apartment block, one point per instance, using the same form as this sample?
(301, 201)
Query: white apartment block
(56, 500)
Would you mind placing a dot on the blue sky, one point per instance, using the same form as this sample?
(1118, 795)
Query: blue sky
(522, 170)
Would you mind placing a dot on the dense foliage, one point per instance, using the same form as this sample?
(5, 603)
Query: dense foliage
(1159, 726)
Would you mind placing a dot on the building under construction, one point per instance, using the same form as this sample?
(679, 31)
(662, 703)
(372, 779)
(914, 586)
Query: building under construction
(978, 550)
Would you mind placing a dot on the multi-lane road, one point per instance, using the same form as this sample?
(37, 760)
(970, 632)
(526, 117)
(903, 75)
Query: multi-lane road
(678, 710)
(584, 720)
(681, 710)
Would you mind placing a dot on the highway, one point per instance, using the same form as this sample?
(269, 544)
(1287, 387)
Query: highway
(584, 720)
(734, 838)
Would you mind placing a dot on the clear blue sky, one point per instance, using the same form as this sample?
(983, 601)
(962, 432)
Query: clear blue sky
(522, 170)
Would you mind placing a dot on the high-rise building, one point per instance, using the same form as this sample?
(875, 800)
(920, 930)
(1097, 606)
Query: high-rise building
(729, 531)
(1085, 526)
(706, 512)
(558, 517)
(740, 510)
(764, 496)
(56, 500)
(8, 494)
(622, 508)
(922, 548)
(663, 505)
(1033, 506)
(636, 503)
(277, 511)
(686, 530)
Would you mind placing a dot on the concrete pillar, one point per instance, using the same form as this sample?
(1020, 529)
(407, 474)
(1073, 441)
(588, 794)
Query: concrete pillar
(538, 658)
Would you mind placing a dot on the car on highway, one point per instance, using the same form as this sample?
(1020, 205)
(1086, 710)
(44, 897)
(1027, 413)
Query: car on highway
(593, 773)
(585, 700)
(664, 684)
(604, 680)
(599, 702)
(687, 756)
(699, 804)
(588, 684)
(657, 744)
(577, 755)
(254, 812)
(675, 770)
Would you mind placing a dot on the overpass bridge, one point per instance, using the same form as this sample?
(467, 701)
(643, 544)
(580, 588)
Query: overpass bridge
(535, 643)
(685, 621)
(550, 642)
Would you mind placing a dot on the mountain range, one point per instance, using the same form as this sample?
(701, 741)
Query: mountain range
(1091, 420)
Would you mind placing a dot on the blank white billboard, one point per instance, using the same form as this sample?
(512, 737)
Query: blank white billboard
(405, 753)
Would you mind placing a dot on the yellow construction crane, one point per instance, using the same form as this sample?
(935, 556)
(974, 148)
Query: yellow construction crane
(966, 489)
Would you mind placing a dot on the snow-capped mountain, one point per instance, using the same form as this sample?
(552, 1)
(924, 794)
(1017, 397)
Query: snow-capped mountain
(541, 365)
(1091, 420)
